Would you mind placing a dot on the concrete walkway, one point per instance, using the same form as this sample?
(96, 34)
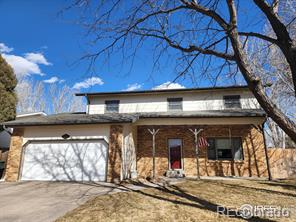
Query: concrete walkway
(46, 201)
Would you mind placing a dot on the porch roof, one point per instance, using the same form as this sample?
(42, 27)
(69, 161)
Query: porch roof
(109, 118)
(206, 114)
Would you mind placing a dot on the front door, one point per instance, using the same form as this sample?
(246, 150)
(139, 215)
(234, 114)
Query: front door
(175, 156)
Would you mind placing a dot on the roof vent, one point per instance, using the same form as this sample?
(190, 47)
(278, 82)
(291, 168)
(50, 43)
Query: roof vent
(65, 136)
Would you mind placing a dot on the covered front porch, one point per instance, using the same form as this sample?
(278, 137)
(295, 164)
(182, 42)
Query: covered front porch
(234, 150)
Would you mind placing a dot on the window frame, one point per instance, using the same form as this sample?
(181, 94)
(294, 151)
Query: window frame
(175, 99)
(230, 105)
(232, 149)
(114, 101)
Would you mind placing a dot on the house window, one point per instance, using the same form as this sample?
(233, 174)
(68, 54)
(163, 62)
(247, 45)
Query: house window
(231, 102)
(225, 149)
(175, 104)
(111, 106)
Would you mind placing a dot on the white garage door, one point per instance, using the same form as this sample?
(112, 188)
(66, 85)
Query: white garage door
(65, 161)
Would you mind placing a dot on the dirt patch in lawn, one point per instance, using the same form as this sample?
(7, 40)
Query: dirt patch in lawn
(188, 201)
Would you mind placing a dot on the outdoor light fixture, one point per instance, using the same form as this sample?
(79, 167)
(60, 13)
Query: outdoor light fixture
(65, 136)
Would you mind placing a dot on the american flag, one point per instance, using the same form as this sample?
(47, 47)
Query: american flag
(202, 142)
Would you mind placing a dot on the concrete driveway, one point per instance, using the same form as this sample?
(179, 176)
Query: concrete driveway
(46, 201)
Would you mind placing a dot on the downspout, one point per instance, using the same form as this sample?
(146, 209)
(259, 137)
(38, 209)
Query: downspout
(266, 152)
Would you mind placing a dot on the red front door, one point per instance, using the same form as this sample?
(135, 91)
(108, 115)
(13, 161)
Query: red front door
(175, 146)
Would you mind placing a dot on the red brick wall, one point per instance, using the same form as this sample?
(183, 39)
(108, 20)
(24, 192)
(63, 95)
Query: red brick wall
(115, 150)
(14, 156)
(254, 163)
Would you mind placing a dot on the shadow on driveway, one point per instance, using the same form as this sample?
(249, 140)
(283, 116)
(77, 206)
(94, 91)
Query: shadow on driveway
(46, 201)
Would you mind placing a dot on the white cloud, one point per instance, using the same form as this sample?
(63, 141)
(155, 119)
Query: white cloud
(169, 85)
(4, 48)
(133, 87)
(37, 58)
(22, 66)
(88, 83)
(53, 79)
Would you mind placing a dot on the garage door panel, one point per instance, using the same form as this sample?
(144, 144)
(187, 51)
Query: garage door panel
(67, 161)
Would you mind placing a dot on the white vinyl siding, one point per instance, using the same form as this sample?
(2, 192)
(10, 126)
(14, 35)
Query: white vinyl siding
(196, 101)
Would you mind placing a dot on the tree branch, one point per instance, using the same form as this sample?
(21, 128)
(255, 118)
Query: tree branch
(278, 27)
(254, 82)
(285, 42)
(206, 11)
(260, 36)
(191, 48)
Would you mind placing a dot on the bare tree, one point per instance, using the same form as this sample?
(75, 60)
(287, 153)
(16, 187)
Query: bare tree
(34, 96)
(206, 32)
(273, 69)
(30, 96)
(62, 99)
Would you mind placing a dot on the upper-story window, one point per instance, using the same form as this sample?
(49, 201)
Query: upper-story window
(232, 101)
(111, 106)
(175, 104)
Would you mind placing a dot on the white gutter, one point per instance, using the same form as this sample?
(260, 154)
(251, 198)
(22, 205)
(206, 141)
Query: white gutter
(31, 114)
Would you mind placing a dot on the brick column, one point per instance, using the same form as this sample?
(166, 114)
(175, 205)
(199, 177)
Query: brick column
(115, 150)
(14, 156)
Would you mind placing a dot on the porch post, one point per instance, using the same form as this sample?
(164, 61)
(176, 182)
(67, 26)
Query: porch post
(261, 128)
(153, 133)
(196, 132)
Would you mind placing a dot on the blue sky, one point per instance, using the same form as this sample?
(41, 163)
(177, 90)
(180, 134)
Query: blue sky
(34, 26)
(46, 47)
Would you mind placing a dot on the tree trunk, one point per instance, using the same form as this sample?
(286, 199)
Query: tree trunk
(285, 42)
(254, 83)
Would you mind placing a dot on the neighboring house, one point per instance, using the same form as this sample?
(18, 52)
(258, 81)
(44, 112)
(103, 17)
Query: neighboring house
(111, 141)
(5, 135)
(4, 139)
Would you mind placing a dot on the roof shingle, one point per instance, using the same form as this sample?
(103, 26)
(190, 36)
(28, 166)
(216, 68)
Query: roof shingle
(83, 118)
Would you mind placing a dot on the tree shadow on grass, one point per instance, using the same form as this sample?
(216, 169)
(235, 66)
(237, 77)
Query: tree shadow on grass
(190, 200)
(281, 184)
(260, 189)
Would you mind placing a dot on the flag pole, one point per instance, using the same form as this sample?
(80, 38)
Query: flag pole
(196, 132)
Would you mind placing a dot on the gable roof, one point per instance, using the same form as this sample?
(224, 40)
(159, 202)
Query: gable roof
(109, 118)
(157, 91)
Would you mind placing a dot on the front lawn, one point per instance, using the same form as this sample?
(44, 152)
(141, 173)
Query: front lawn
(188, 201)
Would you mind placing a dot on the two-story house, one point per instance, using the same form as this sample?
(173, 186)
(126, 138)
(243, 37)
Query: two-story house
(112, 140)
